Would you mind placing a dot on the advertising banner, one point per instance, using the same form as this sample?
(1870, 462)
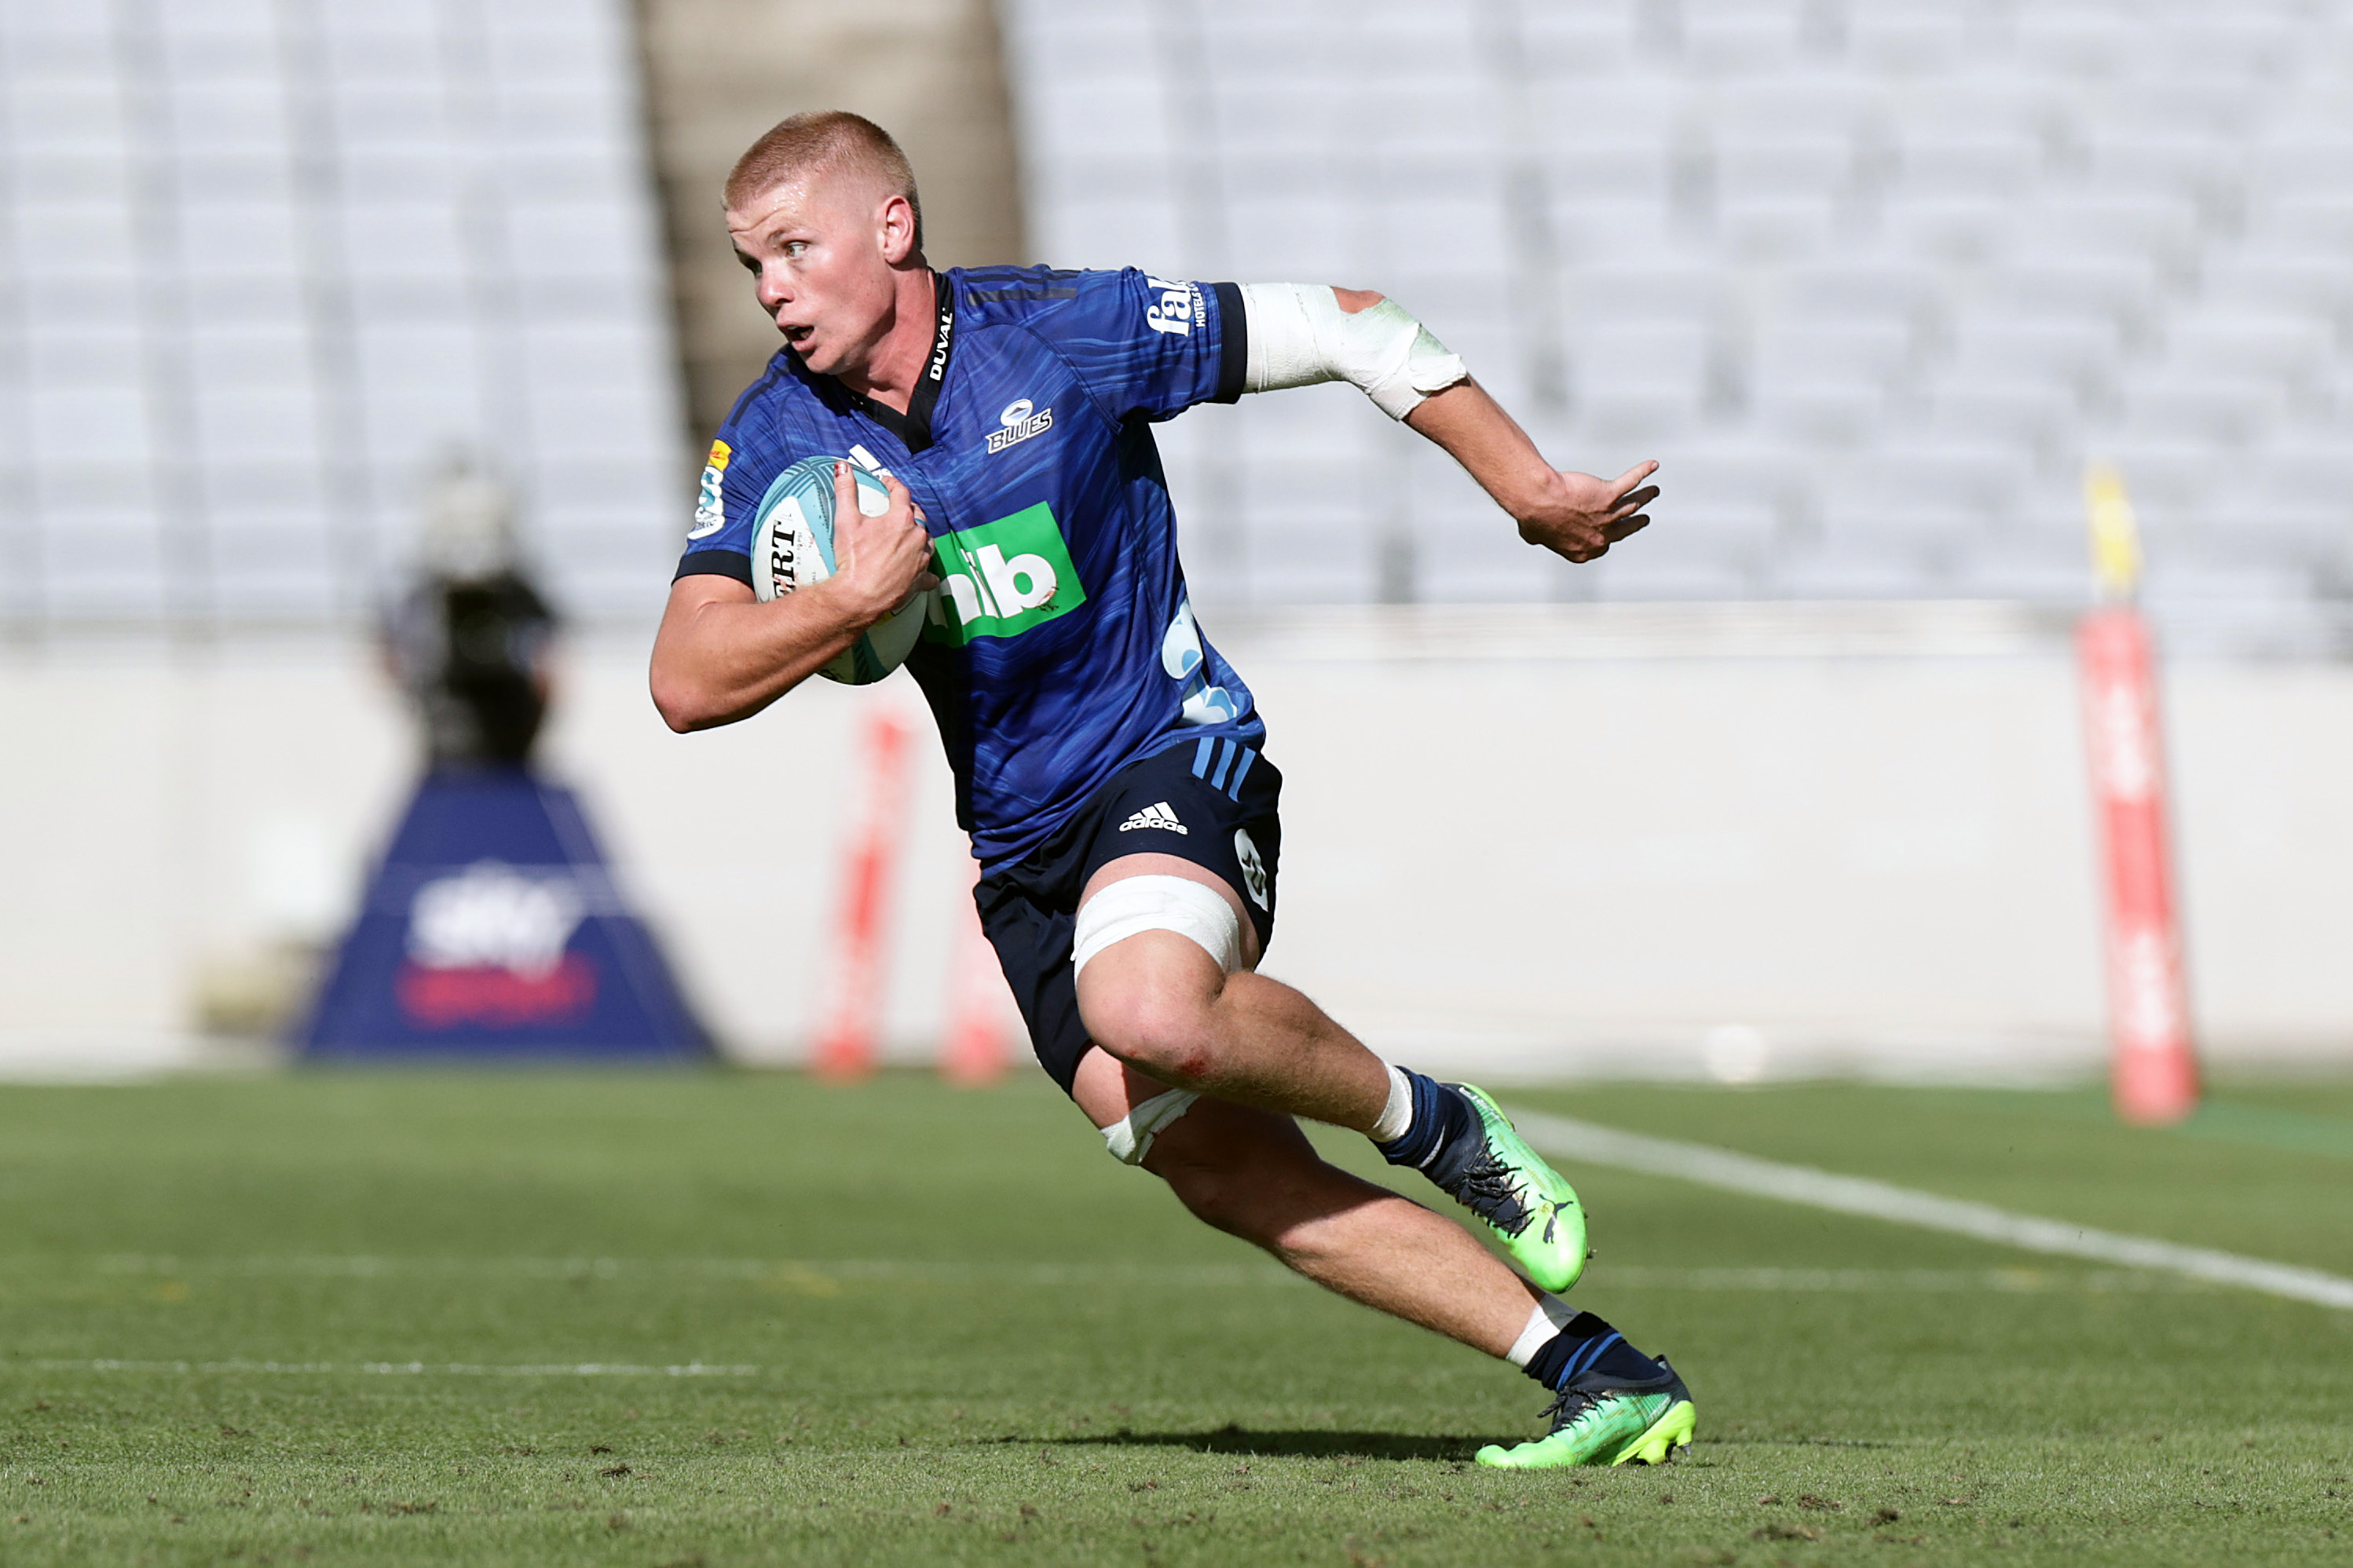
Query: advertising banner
(493, 928)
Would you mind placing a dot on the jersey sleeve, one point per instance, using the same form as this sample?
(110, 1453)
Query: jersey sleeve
(1149, 345)
(719, 541)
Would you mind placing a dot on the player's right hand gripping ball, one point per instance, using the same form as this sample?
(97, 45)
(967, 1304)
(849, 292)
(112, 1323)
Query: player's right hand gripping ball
(792, 547)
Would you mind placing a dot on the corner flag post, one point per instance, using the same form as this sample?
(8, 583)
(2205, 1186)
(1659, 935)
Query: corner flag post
(845, 1048)
(975, 1051)
(2154, 1066)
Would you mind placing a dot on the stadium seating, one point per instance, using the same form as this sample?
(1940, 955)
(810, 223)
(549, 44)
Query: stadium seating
(263, 268)
(1874, 280)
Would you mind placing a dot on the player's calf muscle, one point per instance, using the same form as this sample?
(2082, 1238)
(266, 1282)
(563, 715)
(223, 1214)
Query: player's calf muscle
(1230, 1171)
(1254, 1174)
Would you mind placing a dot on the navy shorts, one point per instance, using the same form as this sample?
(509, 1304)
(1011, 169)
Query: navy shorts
(1211, 802)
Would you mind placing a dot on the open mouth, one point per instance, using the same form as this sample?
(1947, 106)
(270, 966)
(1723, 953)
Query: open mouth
(796, 336)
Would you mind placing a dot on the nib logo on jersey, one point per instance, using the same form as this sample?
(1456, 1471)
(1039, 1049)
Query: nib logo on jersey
(489, 945)
(1002, 578)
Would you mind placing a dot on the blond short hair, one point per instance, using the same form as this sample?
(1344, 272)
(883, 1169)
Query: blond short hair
(824, 141)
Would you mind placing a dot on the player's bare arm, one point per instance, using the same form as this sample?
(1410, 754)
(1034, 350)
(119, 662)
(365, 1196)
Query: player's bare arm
(720, 655)
(1574, 515)
(1303, 333)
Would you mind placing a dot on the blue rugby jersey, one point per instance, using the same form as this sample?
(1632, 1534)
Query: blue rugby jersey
(1060, 646)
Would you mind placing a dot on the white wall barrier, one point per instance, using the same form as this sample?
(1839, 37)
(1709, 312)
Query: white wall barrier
(1733, 841)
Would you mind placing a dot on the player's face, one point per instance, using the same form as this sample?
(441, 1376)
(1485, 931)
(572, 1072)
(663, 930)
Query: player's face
(822, 251)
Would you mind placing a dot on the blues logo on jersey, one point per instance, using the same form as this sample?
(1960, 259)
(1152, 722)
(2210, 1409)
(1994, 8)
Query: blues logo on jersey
(1059, 646)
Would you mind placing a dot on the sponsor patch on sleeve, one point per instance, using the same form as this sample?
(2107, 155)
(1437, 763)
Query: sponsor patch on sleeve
(710, 505)
(1176, 309)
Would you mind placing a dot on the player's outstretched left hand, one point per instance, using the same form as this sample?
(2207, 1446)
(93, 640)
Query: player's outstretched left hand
(1584, 516)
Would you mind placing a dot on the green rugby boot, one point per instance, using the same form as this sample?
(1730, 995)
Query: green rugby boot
(1526, 1203)
(1603, 1420)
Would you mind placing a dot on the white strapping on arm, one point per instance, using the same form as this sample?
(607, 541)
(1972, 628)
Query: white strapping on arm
(1299, 335)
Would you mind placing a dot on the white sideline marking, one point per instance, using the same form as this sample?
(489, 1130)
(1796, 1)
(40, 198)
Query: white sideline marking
(1881, 1200)
(394, 1368)
(1853, 1281)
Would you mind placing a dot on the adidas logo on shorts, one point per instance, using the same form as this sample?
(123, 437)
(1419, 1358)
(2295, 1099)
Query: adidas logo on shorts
(1157, 816)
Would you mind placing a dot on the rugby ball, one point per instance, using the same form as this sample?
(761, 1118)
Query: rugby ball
(792, 547)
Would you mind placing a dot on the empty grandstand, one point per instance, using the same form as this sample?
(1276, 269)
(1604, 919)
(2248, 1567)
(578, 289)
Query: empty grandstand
(263, 269)
(1874, 280)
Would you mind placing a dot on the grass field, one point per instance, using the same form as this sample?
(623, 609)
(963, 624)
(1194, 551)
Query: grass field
(434, 1318)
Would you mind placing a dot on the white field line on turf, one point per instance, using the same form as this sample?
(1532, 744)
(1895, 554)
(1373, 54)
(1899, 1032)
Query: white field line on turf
(2014, 1282)
(1737, 1172)
(394, 1368)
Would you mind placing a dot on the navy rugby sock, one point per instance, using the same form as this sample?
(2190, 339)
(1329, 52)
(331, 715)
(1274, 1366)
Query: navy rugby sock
(1583, 1344)
(1439, 1117)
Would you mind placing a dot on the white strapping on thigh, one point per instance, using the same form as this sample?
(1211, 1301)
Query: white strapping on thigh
(1137, 904)
(1130, 1138)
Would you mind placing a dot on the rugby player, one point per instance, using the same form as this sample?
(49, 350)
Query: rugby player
(1110, 764)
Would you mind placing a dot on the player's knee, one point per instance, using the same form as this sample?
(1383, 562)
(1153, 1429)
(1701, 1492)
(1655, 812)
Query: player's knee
(1165, 1033)
(1151, 954)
